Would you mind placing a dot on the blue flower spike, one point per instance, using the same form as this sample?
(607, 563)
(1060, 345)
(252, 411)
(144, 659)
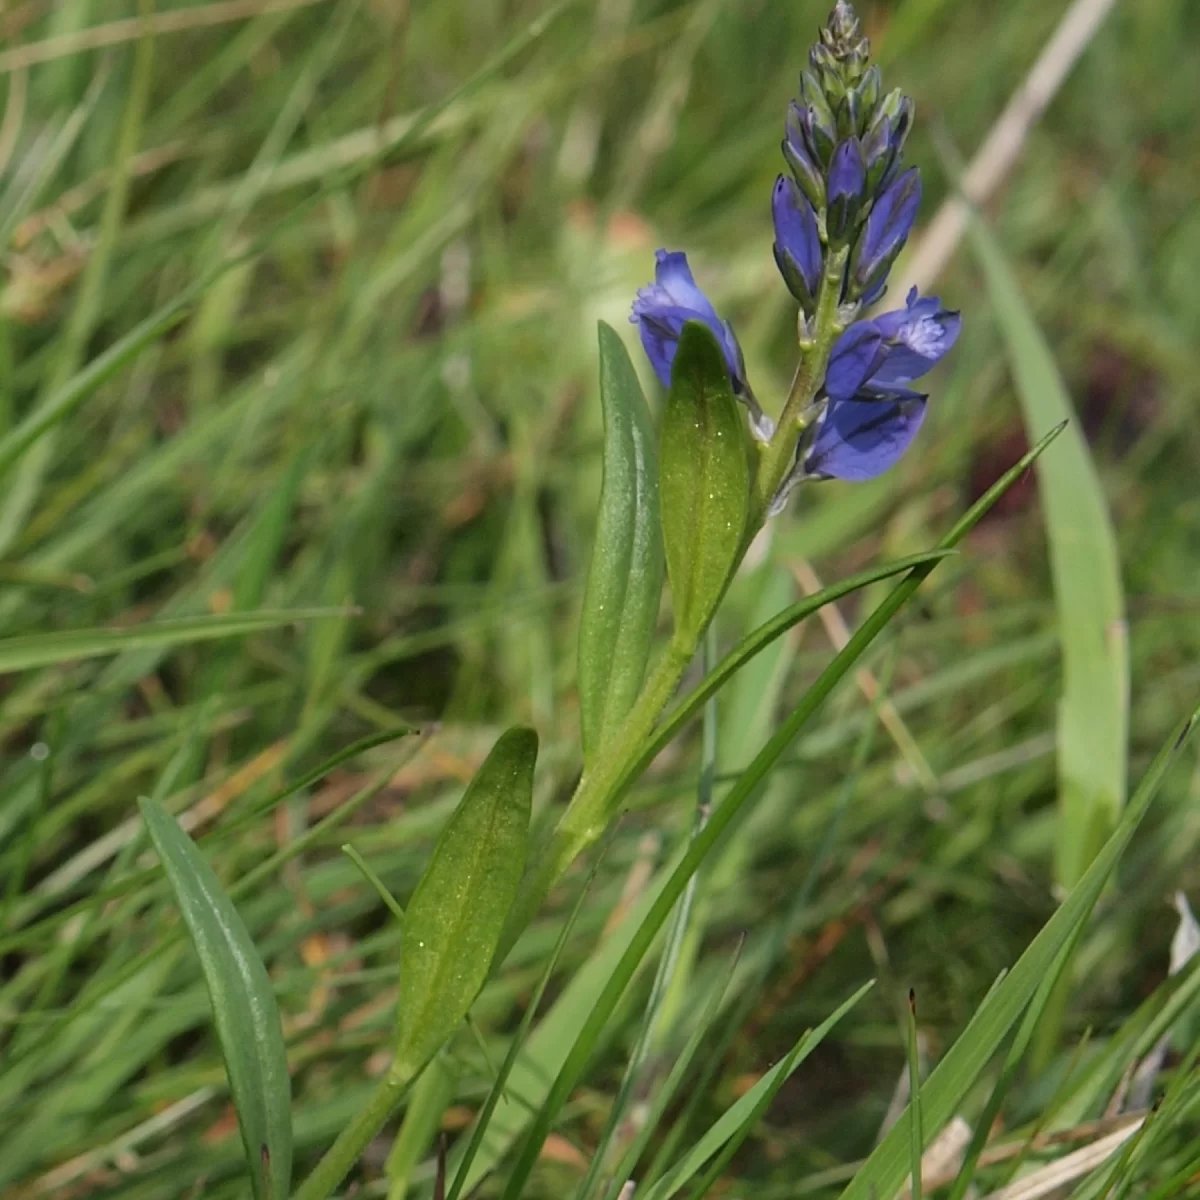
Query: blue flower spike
(842, 216)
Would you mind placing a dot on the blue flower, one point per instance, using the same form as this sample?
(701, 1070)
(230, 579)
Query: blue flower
(872, 415)
(798, 251)
(879, 358)
(663, 307)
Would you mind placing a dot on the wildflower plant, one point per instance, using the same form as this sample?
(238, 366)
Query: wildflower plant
(680, 501)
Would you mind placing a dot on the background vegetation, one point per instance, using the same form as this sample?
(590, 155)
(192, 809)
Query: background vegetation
(386, 406)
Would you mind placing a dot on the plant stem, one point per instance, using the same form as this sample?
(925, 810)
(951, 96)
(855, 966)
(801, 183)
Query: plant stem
(353, 1140)
(778, 454)
(590, 810)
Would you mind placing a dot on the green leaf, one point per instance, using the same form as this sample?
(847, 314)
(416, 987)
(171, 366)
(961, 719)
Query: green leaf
(44, 649)
(624, 583)
(243, 1003)
(1093, 715)
(454, 919)
(705, 480)
(884, 1172)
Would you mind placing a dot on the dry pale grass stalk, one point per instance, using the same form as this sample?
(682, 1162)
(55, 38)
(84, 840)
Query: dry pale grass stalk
(130, 29)
(889, 716)
(994, 160)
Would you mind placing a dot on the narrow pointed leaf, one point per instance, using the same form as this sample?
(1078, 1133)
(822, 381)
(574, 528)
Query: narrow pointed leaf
(244, 1010)
(705, 479)
(453, 921)
(620, 604)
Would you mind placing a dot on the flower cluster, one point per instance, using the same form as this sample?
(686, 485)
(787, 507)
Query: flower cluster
(842, 215)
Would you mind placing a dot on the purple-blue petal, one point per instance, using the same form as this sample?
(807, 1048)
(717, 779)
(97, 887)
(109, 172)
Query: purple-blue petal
(854, 359)
(917, 344)
(661, 309)
(847, 171)
(660, 330)
(674, 287)
(890, 223)
(858, 440)
(796, 233)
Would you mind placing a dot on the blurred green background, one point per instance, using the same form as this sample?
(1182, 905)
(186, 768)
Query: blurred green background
(388, 406)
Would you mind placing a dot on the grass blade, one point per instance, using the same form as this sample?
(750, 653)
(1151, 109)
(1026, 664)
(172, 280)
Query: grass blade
(726, 814)
(731, 1129)
(770, 632)
(883, 1173)
(483, 1120)
(1093, 726)
(46, 649)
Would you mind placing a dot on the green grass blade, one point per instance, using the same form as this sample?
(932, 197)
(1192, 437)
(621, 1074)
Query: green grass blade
(725, 815)
(46, 649)
(923, 564)
(651, 1125)
(770, 632)
(734, 1125)
(884, 1171)
(673, 974)
(243, 1005)
(430, 1097)
(916, 1138)
(1093, 730)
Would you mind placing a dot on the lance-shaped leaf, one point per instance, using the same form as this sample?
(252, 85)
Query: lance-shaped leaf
(705, 479)
(243, 1003)
(620, 604)
(455, 916)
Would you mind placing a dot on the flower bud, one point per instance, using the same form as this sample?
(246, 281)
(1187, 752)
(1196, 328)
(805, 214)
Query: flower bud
(798, 154)
(847, 179)
(888, 226)
(798, 251)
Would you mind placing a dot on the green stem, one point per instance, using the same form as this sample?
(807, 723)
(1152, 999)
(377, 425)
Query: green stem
(590, 810)
(353, 1140)
(779, 453)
